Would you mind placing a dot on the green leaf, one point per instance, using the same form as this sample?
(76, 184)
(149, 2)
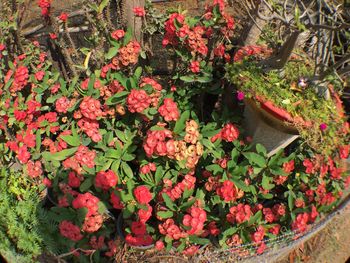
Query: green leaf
(71, 140)
(198, 240)
(102, 6)
(159, 174)
(127, 170)
(117, 98)
(261, 149)
(138, 73)
(102, 208)
(266, 183)
(168, 202)
(180, 123)
(187, 78)
(59, 156)
(86, 185)
(165, 214)
(255, 218)
(112, 52)
(114, 154)
(255, 158)
(127, 36)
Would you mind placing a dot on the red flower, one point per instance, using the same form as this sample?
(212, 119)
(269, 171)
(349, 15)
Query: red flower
(73, 180)
(34, 169)
(144, 215)
(159, 245)
(70, 231)
(118, 34)
(53, 36)
(92, 223)
(20, 115)
(90, 127)
(288, 167)
(239, 214)
(63, 17)
(138, 228)
(258, 235)
(106, 180)
(195, 67)
(229, 133)
(85, 157)
(275, 229)
(139, 11)
(23, 155)
(169, 110)
(195, 221)
(86, 200)
(227, 191)
(310, 168)
(138, 101)
(116, 202)
(261, 248)
(142, 194)
(300, 223)
(219, 51)
(171, 230)
(91, 108)
(190, 251)
(62, 105)
(344, 151)
(269, 215)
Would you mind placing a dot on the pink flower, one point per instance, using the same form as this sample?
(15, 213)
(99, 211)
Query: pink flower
(39, 75)
(240, 95)
(106, 180)
(70, 231)
(139, 11)
(323, 126)
(142, 194)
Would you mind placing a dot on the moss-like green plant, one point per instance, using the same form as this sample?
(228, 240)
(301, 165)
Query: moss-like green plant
(23, 219)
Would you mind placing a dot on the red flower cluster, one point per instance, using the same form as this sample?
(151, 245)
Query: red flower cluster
(195, 221)
(187, 183)
(288, 167)
(62, 105)
(20, 78)
(34, 169)
(139, 11)
(300, 223)
(155, 142)
(239, 214)
(92, 223)
(227, 191)
(45, 7)
(74, 180)
(86, 200)
(195, 66)
(138, 101)
(116, 202)
(118, 34)
(90, 127)
(170, 230)
(70, 231)
(228, 133)
(128, 55)
(150, 167)
(106, 180)
(250, 51)
(91, 108)
(169, 110)
(63, 17)
(344, 151)
(258, 235)
(142, 194)
(145, 214)
(140, 236)
(83, 156)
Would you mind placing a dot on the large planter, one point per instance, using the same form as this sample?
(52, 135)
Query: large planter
(269, 125)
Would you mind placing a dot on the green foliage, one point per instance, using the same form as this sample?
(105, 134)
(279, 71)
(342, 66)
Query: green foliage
(20, 239)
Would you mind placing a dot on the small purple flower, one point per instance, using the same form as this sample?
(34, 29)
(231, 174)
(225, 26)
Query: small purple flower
(323, 126)
(240, 95)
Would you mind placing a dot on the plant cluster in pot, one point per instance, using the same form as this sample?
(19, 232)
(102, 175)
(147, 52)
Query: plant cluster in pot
(283, 106)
